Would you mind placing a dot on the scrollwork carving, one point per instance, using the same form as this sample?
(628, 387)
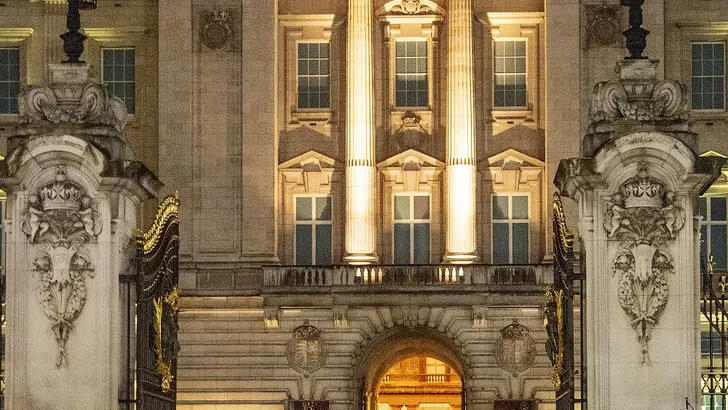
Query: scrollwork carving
(94, 107)
(642, 101)
(643, 215)
(60, 221)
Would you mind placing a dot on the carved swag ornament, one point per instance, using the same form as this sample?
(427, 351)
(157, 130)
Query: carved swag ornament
(60, 221)
(643, 216)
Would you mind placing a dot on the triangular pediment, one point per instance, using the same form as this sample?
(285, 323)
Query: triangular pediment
(513, 159)
(306, 160)
(411, 156)
(713, 154)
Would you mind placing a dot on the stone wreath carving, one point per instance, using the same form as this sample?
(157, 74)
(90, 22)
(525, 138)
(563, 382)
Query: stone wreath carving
(515, 350)
(306, 351)
(643, 216)
(95, 107)
(603, 24)
(217, 30)
(60, 221)
(639, 101)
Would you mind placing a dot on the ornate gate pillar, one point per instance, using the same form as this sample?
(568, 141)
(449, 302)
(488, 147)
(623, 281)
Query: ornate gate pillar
(636, 184)
(73, 191)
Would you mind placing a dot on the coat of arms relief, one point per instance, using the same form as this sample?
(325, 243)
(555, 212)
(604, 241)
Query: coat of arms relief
(644, 217)
(60, 221)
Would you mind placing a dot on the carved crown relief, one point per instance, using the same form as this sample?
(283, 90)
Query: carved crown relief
(643, 216)
(60, 221)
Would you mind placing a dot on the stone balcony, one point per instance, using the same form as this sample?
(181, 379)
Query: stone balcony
(308, 279)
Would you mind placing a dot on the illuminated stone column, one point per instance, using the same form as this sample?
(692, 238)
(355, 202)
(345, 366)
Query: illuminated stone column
(460, 171)
(360, 171)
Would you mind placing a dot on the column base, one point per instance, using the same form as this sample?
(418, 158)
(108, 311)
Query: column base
(361, 258)
(460, 258)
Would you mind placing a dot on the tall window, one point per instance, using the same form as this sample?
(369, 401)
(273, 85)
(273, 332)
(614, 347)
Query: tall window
(713, 232)
(9, 79)
(510, 74)
(510, 228)
(118, 75)
(313, 75)
(708, 75)
(313, 230)
(411, 74)
(412, 229)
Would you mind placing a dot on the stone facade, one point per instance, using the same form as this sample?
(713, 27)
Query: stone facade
(217, 118)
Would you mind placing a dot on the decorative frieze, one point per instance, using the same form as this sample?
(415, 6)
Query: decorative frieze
(644, 216)
(60, 221)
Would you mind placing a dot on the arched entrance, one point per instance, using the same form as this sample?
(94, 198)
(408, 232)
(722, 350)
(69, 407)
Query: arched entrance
(419, 383)
(390, 353)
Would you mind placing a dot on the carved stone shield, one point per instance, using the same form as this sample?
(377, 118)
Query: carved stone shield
(306, 352)
(515, 350)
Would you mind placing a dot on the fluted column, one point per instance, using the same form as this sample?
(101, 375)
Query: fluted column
(360, 171)
(460, 170)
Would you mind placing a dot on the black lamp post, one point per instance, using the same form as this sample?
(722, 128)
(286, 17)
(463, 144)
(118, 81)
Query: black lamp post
(73, 40)
(636, 36)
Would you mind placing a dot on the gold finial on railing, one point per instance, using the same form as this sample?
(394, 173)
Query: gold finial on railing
(167, 209)
(564, 235)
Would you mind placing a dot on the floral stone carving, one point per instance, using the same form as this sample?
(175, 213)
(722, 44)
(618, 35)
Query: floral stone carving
(306, 352)
(645, 100)
(217, 30)
(643, 216)
(515, 350)
(60, 221)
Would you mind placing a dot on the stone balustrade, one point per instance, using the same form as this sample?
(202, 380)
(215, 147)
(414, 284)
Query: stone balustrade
(399, 275)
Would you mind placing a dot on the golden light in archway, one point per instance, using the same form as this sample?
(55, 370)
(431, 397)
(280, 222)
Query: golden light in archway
(419, 383)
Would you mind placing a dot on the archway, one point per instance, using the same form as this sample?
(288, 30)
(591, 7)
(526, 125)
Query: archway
(420, 383)
(410, 343)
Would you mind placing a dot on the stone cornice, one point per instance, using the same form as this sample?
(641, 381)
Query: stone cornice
(112, 34)
(14, 35)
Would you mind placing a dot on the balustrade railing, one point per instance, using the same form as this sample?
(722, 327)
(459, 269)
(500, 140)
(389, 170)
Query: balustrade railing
(380, 275)
(420, 378)
(714, 342)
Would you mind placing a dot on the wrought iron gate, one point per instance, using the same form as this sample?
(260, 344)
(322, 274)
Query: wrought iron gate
(560, 316)
(714, 341)
(157, 304)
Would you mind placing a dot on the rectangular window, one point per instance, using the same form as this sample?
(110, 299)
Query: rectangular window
(313, 230)
(510, 74)
(708, 75)
(313, 75)
(9, 79)
(118, 75)
(411, 74)
(411, 229)
(510, 229)
(714, 231)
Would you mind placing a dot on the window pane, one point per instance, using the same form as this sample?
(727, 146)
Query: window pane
(313, 75)
(500, 243)
(708, 72)
(303, 245)
(422, 243)
(520, 207)
(717, 208)
(520, 243)
(702, 207)
(119, 75)
(303, 208)
(9, 80)
(401, 243)
(704, 244)
(500, 207)
(401, 207)
(323, 244)
(421, 207)
(718, 245)
(323, 208)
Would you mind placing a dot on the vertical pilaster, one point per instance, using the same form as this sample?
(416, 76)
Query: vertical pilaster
(460, 171)
(360, 171)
